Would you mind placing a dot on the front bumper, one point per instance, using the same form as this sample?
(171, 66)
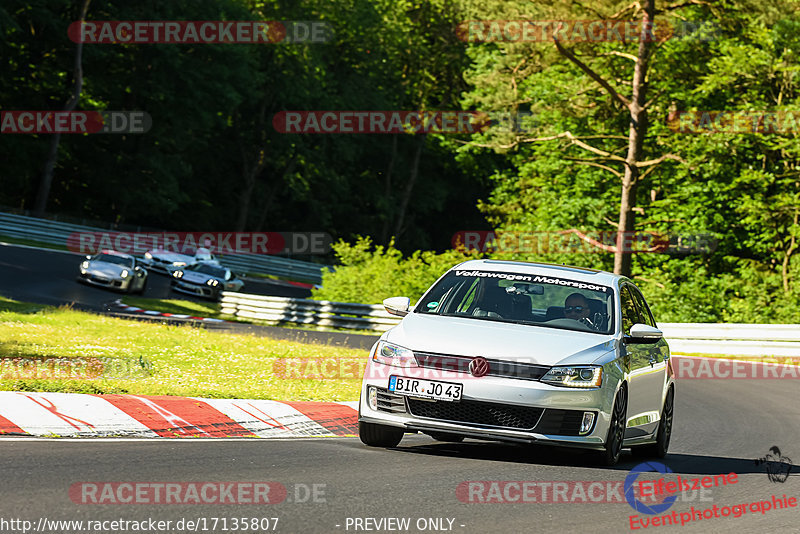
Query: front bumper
(493, 408)
(120, 284)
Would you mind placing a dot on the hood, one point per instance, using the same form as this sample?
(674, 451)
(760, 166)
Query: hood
(109, 270)
(197, 278)
(496, 340)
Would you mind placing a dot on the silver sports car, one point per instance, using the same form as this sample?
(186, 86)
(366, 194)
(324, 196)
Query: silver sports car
(527, 353)
(205, 280)
(113, 270)
(168, 261)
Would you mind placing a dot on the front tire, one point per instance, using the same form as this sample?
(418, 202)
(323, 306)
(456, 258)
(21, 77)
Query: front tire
(379, 435)
(616, 430)
(661, 446)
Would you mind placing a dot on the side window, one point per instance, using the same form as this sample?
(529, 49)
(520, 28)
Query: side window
(630, 315)
(644, 311)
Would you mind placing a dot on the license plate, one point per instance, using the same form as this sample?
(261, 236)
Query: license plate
(427, 389)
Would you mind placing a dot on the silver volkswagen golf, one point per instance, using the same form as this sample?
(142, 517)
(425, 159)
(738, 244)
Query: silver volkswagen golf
(523, 352)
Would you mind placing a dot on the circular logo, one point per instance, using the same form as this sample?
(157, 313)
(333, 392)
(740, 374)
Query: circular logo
(630, 480)
(479, 366)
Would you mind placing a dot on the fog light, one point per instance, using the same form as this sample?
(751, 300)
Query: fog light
(372, 397)
(587, 422)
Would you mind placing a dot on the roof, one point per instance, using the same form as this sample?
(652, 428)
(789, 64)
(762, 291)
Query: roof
(115, 253)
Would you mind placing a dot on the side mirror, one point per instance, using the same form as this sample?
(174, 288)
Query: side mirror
(397, 305)
(642, 333)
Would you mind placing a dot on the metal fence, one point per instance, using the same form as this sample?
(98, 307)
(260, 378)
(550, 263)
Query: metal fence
(733, 338)
(321, 313)
(683, 338)
(56, 233)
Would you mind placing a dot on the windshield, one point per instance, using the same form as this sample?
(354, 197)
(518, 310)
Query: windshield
(113, 258)
(522, 299)
(209, 269)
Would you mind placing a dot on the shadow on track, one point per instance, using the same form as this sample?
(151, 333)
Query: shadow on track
(689, 464)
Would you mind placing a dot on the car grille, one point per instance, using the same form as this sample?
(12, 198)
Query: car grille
(477, 413)
(390, 403)
(501, 368)
(560, 422)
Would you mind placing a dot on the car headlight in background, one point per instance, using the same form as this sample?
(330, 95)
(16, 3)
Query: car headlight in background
(124, 273)
(85, 265)
(179, 263)
(177, 274)
(148, 255)
(212, 282)
(575, 376)
(394, 355)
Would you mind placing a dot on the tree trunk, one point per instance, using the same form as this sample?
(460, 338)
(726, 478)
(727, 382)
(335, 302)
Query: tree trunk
(636, 135)
(272, 192)
(40, 205)
(387, 193)
(412, 178)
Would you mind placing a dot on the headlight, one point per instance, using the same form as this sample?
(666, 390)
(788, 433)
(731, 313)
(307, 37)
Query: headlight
(177, 274)
(212, 282)
(85, 265)
(394, 355)
(575, 377)
(179, 263)
(124, 273)
(148, 255)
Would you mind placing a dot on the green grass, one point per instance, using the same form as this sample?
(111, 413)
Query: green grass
(31, 243)
(171, 360)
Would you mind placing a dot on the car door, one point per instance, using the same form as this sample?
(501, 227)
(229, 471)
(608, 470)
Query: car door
(658, 354)
(642, 420)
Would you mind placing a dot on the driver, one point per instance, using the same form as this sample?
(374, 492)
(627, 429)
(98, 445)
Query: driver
(577, 307)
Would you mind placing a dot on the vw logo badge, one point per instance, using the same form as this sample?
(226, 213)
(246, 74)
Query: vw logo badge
(479, 367)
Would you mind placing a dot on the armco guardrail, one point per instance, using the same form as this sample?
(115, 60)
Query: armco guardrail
(57, 232)
(708, 338)
(733, 338)
(306, 311)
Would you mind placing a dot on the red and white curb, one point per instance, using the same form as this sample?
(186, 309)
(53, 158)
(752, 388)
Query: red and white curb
(80, 415)
(118, 305)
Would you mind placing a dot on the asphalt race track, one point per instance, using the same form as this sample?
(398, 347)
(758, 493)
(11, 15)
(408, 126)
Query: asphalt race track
(721, 426)
(48, 277)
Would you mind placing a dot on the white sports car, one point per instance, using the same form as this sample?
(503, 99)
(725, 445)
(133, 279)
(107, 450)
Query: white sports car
(167, 261)
(527, 353)
(113, 270)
